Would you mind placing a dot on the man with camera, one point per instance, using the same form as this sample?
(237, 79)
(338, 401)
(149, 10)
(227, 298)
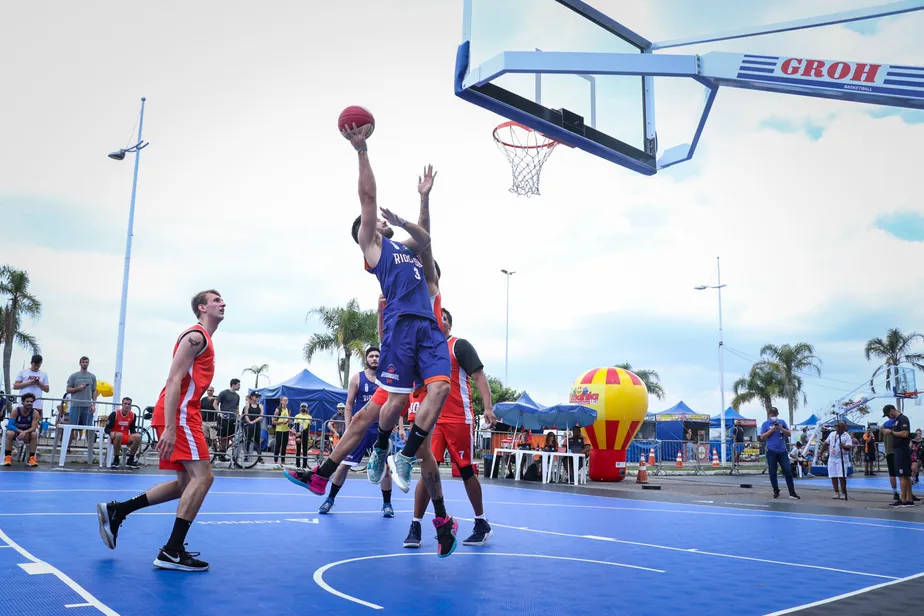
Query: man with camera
(774, 433)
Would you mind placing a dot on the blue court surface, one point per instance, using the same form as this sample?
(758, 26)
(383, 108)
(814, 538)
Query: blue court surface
(552, 552)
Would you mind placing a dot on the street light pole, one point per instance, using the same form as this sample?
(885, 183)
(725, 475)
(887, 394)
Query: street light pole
(120, 345)
(719, 288)
(508, 274)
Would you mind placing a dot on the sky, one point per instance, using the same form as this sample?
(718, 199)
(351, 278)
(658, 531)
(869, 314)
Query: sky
(248, 187)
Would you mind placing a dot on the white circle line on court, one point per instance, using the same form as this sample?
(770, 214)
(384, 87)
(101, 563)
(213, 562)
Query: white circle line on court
(319, 573)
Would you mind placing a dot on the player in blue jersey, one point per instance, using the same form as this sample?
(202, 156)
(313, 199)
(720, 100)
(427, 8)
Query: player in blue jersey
(414, 349)
(359, 392)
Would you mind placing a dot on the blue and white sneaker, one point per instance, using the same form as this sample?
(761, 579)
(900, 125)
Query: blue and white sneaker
(375, 468)
(400, 466)
(387, 510)
(326, 505)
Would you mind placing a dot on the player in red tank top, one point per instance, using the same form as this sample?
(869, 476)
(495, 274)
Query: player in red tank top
(454, 432)
(181, 442)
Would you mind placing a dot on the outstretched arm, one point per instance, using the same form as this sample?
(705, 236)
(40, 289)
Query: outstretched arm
(367, 236)
(381, 322)
(420, 239)
(424, 186)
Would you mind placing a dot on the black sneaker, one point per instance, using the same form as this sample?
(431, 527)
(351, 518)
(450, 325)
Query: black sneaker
(446, 529)
(908, 504)
(109, 523)
(132, 462)
(895, 497)
(896, 504)
(115, 462)
(413, 536)
(914, 498)
(480, 534)
(794, 496)
(776, 494)
(179, 561)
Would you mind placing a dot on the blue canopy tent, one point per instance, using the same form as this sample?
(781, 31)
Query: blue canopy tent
(670, 423)
(811, 421)
(524, 412)
(731, 418)
(566, 416)
(321, 396)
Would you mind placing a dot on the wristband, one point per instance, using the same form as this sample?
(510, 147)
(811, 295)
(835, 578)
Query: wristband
(363, 150)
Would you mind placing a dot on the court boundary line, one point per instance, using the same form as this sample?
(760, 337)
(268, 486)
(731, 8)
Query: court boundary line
(51, 569)
(846, 595)
(682, 550)
(318, 575)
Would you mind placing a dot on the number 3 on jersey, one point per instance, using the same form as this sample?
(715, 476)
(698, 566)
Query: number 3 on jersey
(416, 273)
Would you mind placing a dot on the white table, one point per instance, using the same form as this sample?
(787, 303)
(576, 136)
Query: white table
(579, 466)
(66, 437)
(546, 456)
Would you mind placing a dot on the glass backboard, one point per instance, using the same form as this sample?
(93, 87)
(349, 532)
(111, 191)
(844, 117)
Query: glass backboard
(604, 114)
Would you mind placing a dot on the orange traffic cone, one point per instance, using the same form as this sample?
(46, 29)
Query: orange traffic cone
(679, 463)
(715, 457)
(651, 457)
(642, 471)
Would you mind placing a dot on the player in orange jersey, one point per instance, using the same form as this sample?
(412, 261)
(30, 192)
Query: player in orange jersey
(181, 442)
(453, 432)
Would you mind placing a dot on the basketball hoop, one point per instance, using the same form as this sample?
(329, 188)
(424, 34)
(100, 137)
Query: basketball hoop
(527, 150)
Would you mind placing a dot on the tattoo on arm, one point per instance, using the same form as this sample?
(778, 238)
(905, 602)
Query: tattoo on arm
(424, 220)
(194, 342)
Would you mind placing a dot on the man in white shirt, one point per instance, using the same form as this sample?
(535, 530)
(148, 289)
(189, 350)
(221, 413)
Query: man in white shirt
(838, 445)
(33, 381)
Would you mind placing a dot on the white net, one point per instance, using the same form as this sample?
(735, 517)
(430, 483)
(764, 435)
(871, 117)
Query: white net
(527, 151)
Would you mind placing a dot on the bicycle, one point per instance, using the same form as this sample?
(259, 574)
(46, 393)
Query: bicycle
(243, 453)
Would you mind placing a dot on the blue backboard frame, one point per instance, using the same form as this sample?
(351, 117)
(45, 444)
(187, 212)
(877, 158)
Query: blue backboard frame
(897, 86)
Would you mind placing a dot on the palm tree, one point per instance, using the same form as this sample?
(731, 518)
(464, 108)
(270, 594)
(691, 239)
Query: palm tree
(349, 332)
(257, 371)
(790, 361)
(649, 377)
(762, 383)
(14, 284)
(894, 350)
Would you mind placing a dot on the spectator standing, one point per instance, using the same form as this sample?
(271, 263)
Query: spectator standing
(281, 420)
(901, 449)
(887, 441)
(33, 381)
(82, 388)
(774, 432)
(253, 424)
(229, 401)
(209, 404)
(738, 439)
(840, 445)
(917, 452)
(302, 426)
(870, 449)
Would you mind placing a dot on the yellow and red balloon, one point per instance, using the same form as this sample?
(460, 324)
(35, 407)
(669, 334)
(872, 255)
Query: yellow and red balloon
(621, 401)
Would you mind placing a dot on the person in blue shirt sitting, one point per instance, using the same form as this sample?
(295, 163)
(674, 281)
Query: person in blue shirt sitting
(774, 432)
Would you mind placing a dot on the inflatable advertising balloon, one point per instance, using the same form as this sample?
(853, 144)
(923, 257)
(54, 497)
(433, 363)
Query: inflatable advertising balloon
(621, 401)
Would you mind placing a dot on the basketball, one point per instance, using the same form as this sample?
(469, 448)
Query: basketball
(360, 116)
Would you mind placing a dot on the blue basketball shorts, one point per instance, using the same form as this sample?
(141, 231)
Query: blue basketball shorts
(368, 442)
(414, 354)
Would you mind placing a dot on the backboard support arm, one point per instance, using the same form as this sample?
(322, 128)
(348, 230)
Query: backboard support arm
(877, 84)
(841, 17)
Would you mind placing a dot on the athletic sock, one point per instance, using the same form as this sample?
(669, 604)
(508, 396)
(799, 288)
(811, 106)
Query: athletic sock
(414, 440)
(130, 506)
(178, 536)
(439, 508)
(480, 517)
(327, 469)
(383, 439)
(418, 520)
(334, 488)
(386, 497)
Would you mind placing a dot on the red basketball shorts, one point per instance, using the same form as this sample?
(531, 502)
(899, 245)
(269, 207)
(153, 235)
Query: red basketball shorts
(190, 445)
(457, 438)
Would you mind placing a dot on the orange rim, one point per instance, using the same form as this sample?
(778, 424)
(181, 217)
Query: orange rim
(551, 144)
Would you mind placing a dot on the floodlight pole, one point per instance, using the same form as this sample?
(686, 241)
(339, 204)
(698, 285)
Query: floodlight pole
(120, 345)
(508, 274)
(719, 287)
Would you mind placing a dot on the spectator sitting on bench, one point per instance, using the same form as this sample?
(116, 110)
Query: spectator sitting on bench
(121, 430)
(797, 458)
(23, 427)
